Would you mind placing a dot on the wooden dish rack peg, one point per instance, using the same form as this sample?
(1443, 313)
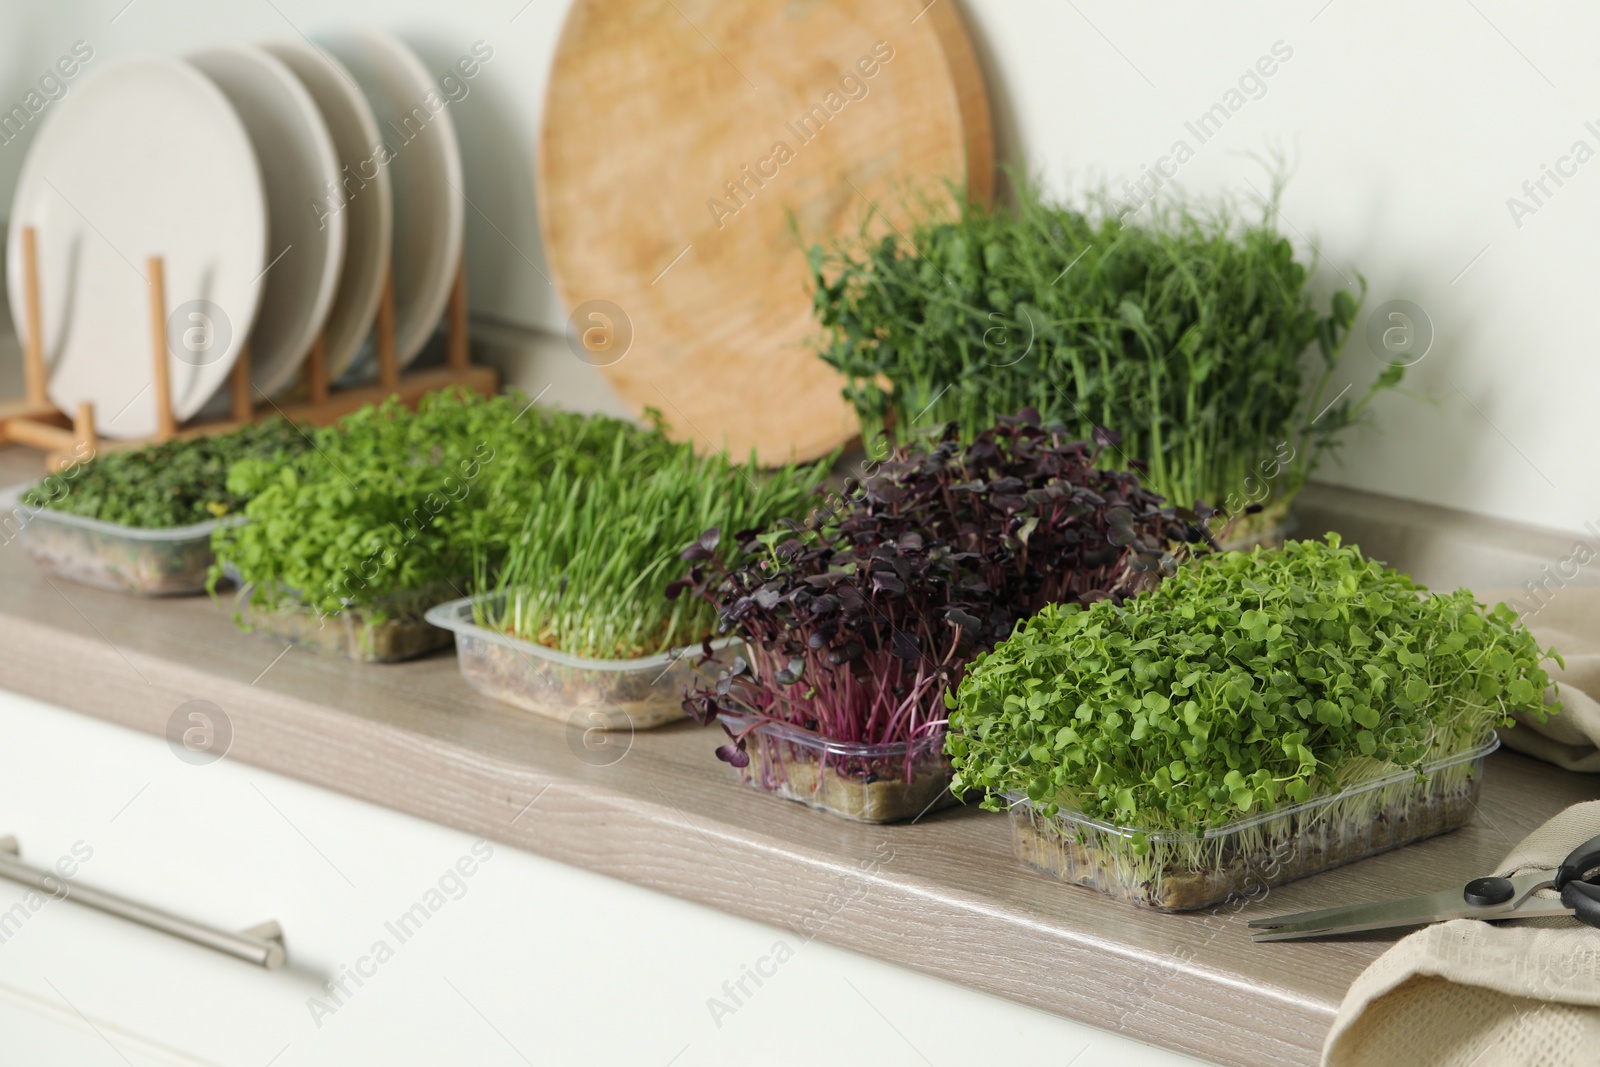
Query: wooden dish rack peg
(32, 420)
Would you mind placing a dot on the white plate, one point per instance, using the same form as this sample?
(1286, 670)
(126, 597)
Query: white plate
(146, 157)
(419, 141)
(363, 196)
(305, 251)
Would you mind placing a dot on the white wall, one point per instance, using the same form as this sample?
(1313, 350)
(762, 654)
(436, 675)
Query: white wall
(1409, 127)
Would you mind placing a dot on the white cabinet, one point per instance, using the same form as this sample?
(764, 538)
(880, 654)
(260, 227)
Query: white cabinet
(413, 944)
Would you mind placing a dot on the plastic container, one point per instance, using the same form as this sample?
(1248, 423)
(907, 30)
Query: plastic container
(617, 694)
(867, 783)
(127, 559)
(1181, 872)
(351, 634)
(1267, 529)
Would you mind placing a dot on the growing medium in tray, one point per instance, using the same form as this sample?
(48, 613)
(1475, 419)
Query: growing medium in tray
(1179, 746)
(856, 624)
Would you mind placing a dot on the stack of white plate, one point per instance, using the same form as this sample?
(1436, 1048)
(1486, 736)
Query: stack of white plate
(278, 183)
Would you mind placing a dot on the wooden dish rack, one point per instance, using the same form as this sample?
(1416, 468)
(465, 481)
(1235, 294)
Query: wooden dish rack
(32, 420)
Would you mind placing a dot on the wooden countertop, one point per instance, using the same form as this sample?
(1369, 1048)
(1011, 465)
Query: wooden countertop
(945, 896)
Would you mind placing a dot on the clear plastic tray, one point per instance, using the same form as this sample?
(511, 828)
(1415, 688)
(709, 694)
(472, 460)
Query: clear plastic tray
(1174, 871)
(617, 694)
(127, 559)
(867, 783)
(349, 634)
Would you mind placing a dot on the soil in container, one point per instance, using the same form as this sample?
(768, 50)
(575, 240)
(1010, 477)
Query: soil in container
(351, 634)
(867, 783)
(149, 561)
(626, 694)
(616, 699)
(1182, 873)
(1267, 529)
(149, 566)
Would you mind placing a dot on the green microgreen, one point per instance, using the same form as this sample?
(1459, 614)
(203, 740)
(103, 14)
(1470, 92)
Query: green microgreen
(1181, 327)
(589, 571)
(391, 504)
(1243, 683)
(175, 483)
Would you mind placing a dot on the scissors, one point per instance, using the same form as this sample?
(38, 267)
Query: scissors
(1486, 898)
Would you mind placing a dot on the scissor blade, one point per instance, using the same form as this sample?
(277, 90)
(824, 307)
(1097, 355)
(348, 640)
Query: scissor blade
(1323, 915)
(1410, 911)
(1538, 907)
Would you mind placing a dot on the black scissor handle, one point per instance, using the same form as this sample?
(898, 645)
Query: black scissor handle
(1581, 896)
(1584, 900)
(1579, 862)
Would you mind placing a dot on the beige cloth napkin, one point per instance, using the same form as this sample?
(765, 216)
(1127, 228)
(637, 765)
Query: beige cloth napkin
(1468, 994)
(1567, 619)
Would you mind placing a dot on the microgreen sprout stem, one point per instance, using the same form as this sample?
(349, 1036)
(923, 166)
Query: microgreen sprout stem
(600, 545)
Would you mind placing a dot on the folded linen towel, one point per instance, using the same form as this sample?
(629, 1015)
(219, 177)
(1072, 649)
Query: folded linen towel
(1568, 620)
(1471, 994)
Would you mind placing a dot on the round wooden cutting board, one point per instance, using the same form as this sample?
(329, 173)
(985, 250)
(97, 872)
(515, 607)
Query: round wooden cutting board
(684, 144)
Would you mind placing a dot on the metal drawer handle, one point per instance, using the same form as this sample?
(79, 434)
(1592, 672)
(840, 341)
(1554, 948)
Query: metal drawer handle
(261, 945)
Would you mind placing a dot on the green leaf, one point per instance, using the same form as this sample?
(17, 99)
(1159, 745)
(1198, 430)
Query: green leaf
(1126, 805)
